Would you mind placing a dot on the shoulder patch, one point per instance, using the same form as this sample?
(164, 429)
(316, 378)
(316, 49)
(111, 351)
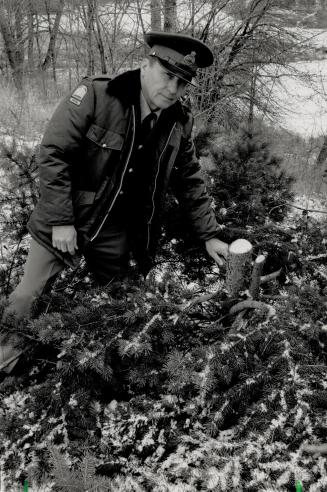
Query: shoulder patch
(78, 95)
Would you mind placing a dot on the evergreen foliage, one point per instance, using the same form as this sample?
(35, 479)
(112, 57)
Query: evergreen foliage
(18, 196)
(248, 184)
(250, 194)
(137, 391)
(142, 386)
(19, 186)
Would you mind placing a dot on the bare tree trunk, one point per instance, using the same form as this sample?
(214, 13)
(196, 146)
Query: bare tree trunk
(192, 17)
(139, 15)
(322, 156)
(37, 37)
(30, 36)
(321, 162)
(13, 44)
(170, 15)
(39, 51)
(89, 31)
(98, 36)
(51, 53)
(252, 95)
(156, 15)
(19, 38)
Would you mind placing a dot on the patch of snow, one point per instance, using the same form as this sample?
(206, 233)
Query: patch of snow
(302, 96)
(312, 36)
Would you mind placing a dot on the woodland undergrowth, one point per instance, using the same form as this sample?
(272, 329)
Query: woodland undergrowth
(146, 386)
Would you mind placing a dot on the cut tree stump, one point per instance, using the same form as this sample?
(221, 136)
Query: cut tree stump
(238, 266)
(256, 276)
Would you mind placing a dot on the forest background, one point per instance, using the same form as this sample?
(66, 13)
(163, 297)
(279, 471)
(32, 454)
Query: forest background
(134, 404)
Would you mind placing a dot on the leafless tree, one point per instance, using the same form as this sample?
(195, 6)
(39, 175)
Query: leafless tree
(170, 15)
(251, 49)
(156, 15)
(50, 56)
(11, 16)
(97, 36)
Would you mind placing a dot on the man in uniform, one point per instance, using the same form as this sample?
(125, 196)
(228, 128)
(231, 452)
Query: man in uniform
(107, 156)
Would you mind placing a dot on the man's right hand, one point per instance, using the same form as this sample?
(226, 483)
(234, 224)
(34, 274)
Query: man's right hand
(64, 238)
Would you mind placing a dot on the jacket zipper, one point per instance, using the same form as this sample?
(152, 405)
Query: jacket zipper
(121, 181)
(155, 186)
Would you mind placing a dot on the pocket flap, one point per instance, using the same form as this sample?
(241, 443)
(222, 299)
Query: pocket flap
(85, 197)
(105, 138)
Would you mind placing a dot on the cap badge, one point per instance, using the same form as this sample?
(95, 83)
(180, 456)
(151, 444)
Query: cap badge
(190, 58)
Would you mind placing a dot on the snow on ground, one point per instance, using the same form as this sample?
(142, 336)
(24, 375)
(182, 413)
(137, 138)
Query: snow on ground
(308, 103)
(301, 89)
(303, 99)
(314, 37)
(20, 142)
(303, 203)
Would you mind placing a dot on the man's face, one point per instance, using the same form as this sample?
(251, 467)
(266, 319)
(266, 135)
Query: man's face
(160, 88)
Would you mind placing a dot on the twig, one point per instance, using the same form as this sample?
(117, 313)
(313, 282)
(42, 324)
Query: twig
(296, 206)
(273, 297)
(197, 300)
(315, 448)
(307, 209)
(271, 276)
(47, 361)
(316, 257)
(256, 276)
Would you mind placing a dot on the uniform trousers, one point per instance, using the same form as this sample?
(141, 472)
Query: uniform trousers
(106, 257)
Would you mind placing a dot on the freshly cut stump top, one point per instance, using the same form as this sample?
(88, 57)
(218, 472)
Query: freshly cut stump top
(240, 246)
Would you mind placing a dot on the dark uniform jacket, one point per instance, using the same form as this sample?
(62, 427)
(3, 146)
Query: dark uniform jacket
(85, 154)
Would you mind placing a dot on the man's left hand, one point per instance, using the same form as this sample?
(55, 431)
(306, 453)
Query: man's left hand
(217, 250)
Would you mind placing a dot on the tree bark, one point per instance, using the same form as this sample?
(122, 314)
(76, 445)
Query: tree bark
(30, 36)
(51, 52)
(238, 266)
(321, 162)
(13, 42)
(98, 36)
(89, 31)
(170, 15)
(156, 15)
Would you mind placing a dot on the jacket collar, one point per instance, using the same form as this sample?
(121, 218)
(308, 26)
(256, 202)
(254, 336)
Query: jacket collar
(127, 86)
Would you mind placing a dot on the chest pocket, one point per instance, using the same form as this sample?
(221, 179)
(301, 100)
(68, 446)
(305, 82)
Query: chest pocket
(107, 139)
(102, 153)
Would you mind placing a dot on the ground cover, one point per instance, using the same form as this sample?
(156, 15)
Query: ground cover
(148, 386)
(137, 388)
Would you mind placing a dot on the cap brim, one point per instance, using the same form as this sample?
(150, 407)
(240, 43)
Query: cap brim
(191, 82)
(176, 71)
